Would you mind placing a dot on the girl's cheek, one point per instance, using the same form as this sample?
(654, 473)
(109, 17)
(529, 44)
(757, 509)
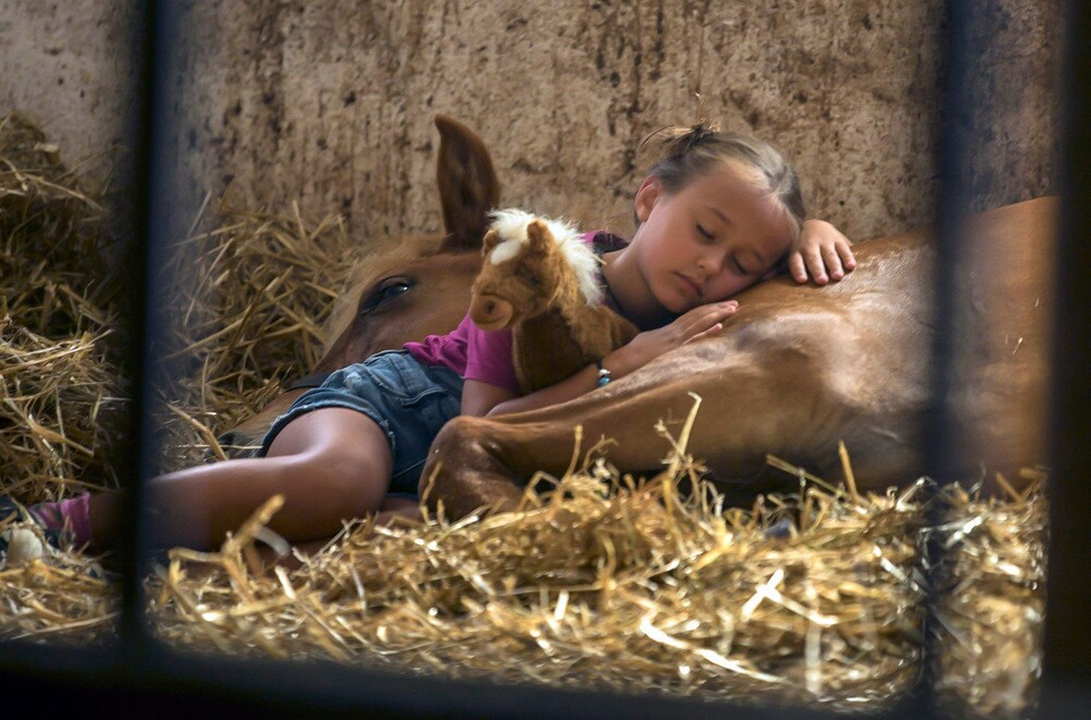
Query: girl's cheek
(728, 288)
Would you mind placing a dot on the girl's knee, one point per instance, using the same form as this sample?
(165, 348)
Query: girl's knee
(351, 478)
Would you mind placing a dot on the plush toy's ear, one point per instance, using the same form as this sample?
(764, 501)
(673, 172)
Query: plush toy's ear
(539, 238)
(491, 240)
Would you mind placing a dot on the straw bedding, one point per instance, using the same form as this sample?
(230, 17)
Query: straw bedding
(248, 300)
(608, 581)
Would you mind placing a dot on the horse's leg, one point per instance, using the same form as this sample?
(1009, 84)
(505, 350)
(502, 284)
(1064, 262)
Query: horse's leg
(482, 461)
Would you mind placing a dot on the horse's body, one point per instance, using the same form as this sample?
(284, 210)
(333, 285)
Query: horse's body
(797, 368)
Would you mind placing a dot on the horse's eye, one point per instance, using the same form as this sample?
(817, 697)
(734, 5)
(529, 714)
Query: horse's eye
(388, 289)
(393, 290)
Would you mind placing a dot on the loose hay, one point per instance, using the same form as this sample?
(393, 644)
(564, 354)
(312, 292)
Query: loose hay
(607, 582)
(613, 583)
(64, 595)
(61, 395)
(993, 576)
(249, 299)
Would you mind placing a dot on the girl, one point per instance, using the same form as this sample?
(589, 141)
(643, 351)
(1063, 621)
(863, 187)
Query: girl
(716, 214)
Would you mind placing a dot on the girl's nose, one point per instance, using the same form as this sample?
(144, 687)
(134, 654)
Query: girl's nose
(711, 264)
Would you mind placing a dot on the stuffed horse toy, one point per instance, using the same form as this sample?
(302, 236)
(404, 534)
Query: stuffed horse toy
(541, 279)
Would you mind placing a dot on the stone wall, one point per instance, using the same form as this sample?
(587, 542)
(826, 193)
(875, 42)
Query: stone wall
(329, 104)
(70, 68)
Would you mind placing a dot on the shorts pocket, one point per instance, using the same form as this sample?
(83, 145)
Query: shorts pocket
(401, 377)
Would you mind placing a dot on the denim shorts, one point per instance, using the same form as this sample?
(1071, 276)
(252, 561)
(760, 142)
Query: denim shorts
(410, 401)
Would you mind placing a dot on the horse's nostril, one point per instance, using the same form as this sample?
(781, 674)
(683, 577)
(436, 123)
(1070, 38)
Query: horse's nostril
(228, 438)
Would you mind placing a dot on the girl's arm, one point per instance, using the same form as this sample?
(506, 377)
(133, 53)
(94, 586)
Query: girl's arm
(700, 322)
(478, 397)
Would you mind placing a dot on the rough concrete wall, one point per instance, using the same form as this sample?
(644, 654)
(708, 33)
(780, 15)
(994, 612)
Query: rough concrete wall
(330, 103)
(1016, 101)
(69, 68)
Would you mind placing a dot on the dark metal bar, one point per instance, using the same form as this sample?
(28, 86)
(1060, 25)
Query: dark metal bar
(284, 689)
(953, 151)
(139, 312)
(1067, 637)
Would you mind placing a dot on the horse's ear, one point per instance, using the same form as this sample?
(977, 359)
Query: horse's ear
(468, 188)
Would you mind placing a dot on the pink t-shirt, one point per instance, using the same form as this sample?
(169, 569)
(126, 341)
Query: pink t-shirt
(473, 353)
(477, 354)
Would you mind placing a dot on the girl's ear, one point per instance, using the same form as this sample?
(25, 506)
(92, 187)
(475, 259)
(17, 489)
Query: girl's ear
(646, 197)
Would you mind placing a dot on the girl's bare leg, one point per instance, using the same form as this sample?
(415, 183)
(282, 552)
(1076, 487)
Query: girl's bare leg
(394, 509)
(330, 464)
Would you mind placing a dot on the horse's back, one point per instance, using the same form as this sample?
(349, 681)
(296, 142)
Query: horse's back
(872, 336)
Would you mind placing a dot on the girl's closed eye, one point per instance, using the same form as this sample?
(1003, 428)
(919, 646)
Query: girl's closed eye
(704, 234)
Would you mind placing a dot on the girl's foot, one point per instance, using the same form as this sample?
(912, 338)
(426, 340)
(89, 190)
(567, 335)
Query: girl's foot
(64, 522)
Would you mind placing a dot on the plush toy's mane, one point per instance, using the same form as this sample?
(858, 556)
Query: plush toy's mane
(511, 224)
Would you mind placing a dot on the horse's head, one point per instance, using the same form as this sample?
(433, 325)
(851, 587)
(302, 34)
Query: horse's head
(419, 286)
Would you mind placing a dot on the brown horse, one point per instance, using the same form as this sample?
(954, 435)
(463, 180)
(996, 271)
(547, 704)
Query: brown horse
(420, 287)
(799, 368)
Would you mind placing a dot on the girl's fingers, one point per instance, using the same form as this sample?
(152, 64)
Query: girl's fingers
(833, 262)
(848, 260)
(721, 313)
(815, 266)
(706, 333)
(702, 318)
(796, 267)
(711, 312)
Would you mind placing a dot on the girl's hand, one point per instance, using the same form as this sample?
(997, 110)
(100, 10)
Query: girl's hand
(820, 250)
(700, 322)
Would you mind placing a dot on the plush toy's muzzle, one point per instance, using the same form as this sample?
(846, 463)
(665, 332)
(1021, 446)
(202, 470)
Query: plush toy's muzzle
(490, 312)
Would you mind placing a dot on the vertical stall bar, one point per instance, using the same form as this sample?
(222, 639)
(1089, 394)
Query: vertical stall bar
(952, 205)
(1067, 636)
(136, 258)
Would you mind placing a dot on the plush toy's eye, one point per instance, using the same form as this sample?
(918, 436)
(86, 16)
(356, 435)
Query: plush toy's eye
(387, 289)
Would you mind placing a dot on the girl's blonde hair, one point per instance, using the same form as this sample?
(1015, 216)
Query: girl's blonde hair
(690, 152)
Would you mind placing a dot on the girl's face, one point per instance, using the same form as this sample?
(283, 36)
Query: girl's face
(713, 238)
